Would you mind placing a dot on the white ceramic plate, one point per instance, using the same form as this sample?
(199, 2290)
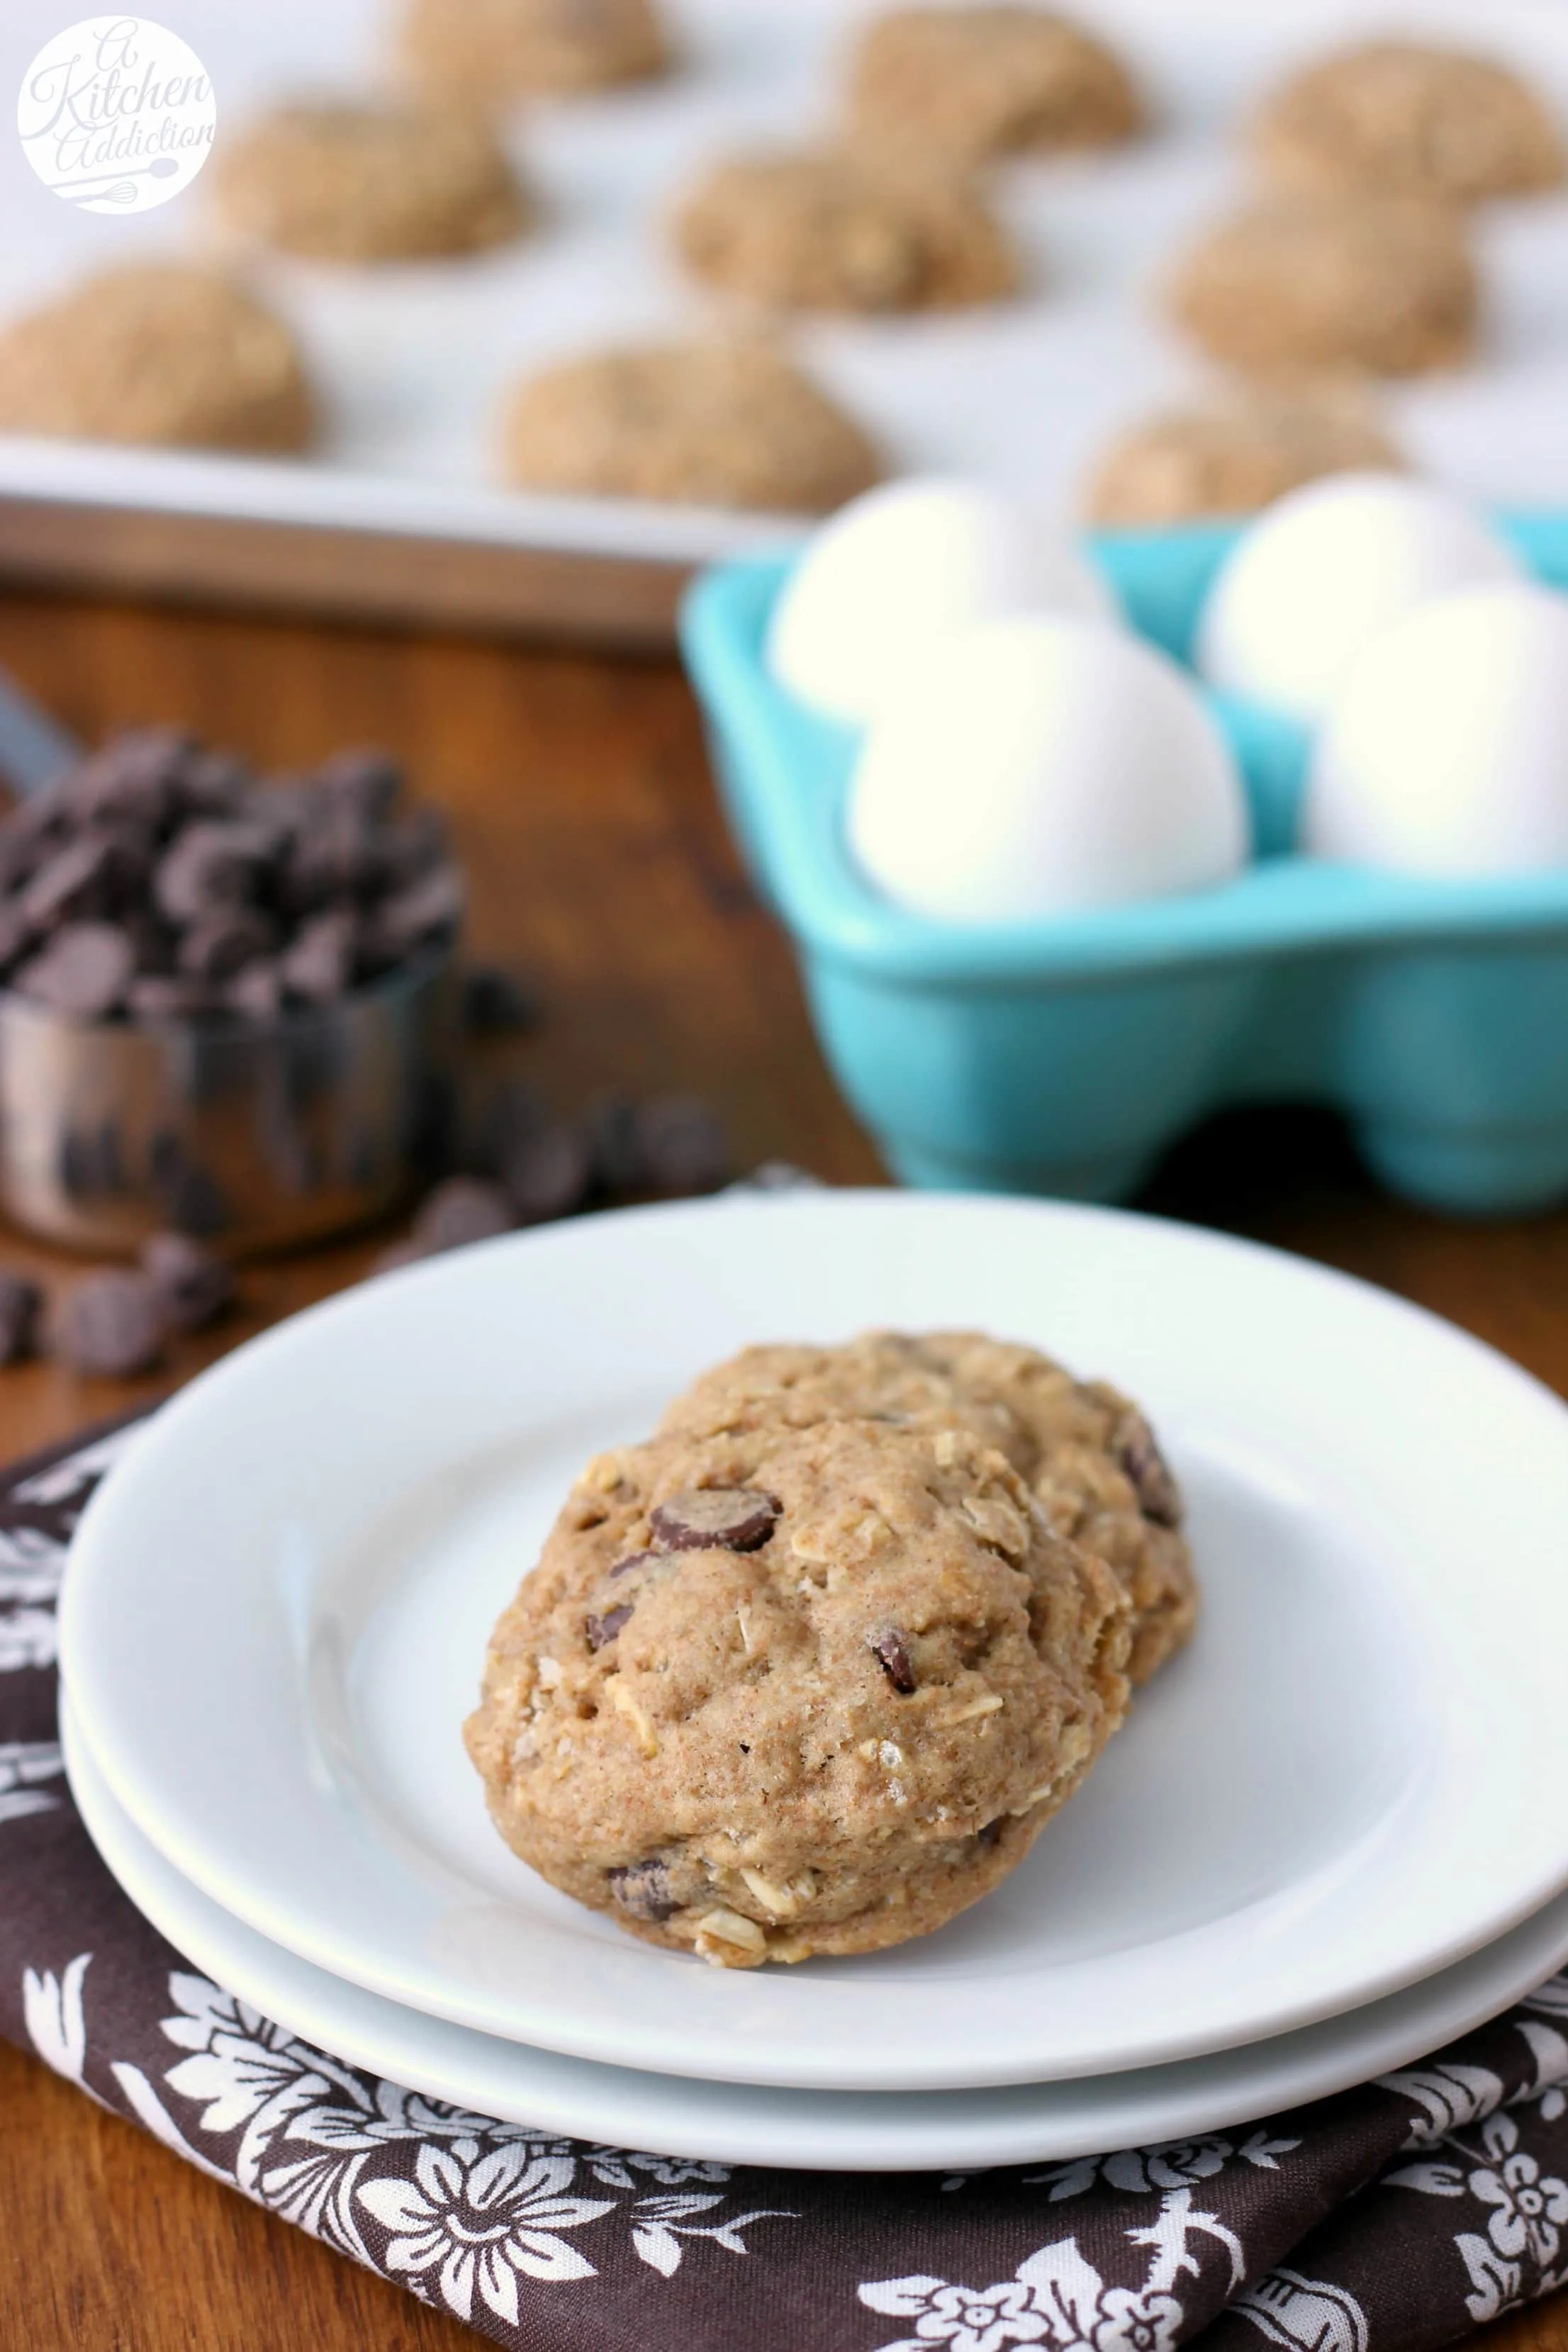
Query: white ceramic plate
(838, 2131)
(278, 1604)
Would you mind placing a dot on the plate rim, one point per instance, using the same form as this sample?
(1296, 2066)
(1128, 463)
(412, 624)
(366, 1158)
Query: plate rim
(612, 2047)
(136, 1865)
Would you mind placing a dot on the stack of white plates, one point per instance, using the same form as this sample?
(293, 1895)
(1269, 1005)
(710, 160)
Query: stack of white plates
(1332, 1836)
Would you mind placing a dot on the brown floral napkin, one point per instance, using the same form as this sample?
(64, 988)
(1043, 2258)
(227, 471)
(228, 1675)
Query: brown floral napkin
(1389, 2219)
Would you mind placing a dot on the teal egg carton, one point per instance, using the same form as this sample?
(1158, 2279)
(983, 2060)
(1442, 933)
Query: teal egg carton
(1065, 1055)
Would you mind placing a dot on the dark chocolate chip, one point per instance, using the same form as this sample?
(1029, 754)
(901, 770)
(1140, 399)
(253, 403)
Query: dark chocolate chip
(257, 992)
(497, 1002)
(91, 1163)
(193, 1201)
(410, 846)
(139, 773)
(219, 946)
(889, 1646)
(320, 963)
(16, 934)
(109, 1324)
(601, 1630)
(1135, 1447)
(78, 882)
(514, 1113)
(546, 1175)
(194, 1284)
(419, 912)
(396, 1253)
(210, 866)
(714, 1518)
(615, 1143)
(643, 1889)
(634, 1559)
(983, 1840)
(83, 972)
(169, 997)
(19, 1303)
(683, 1146)
(365, 782)
(461, 1211)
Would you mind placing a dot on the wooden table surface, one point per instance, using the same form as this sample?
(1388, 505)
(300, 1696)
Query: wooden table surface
(579, 792)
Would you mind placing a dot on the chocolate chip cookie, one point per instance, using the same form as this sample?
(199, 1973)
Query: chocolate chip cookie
(843, 230)
(723, 425)
(1233, 454)
(493, 52)
(774, 1690)
(341, 183)
(1406, 119)
(997, 80)
(1386, 284)
(156, 353)
(1085, 1450)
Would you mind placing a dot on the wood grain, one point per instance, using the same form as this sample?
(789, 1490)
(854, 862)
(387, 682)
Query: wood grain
(579, 792)
(364, 575)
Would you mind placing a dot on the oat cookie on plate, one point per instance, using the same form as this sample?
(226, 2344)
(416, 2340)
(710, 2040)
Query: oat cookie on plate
(776, 1692)
(1086, 1451)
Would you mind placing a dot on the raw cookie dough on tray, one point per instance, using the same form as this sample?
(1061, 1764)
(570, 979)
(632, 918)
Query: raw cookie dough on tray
(1300, 283)
(1233, 453)
(336, 181)
(1405, 119)
(495, 52)
(808, 1671)
(729, 424)
(838, 229)
(160, 355)
(972, 83)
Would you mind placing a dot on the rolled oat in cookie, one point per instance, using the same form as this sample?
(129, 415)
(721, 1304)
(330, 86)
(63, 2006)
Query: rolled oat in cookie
(1088, 1453)
(773, 1691)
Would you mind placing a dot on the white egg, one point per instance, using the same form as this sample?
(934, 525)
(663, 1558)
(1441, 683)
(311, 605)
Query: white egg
(1445, 749)
(1324, 571)
(897, 569)
(1040, 764)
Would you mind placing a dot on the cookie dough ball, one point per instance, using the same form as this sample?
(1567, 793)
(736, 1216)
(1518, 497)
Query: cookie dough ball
(1381, 283)
(494, 52)
(1233, 455)
(340, 183)
(701, 424)
(977, 82)
(157, 354)
(830, 230)
(1399, 118)
(1085, 1450)
(782, 1692)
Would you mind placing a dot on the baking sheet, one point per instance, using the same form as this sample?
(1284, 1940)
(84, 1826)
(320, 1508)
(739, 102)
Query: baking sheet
(414, 358)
